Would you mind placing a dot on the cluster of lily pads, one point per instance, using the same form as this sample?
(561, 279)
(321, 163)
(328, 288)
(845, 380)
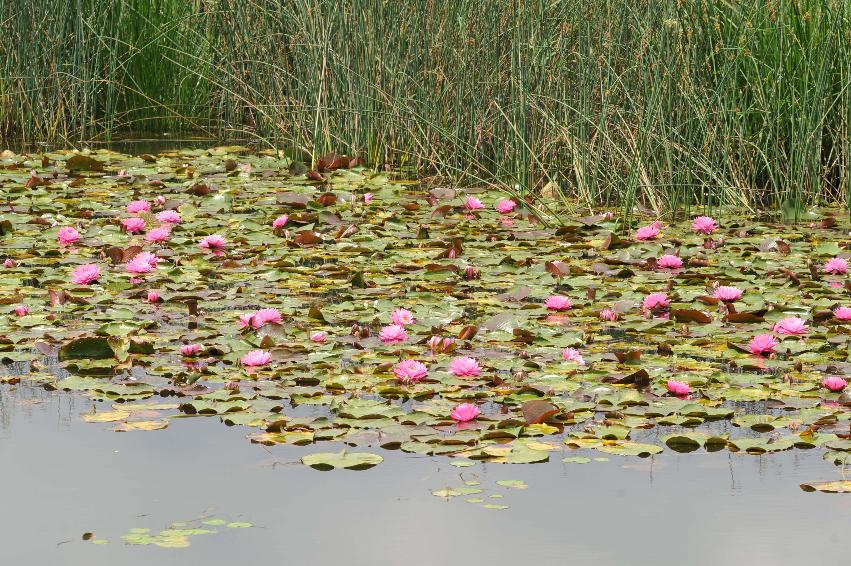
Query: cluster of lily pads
(341, 304)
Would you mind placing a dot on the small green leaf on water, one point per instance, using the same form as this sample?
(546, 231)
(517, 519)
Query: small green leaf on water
(472, 482)
(100, 541)
(462, 463)
(350, 460)
(474, 500)
(514, 484)
(493, 506)
(578, 460)
(601, 459)
(239, 525)
(496, 496)
(446, 493)
(215, 522)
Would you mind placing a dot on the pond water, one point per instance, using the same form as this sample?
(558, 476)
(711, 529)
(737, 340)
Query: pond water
(63, 477)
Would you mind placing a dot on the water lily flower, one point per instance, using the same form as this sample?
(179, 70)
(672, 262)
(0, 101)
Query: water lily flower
(367, 198)
(143, 262)
(464, 366)
(256, 358)
(9, 262)
(214, 243)
(558, 303)
(472, 203)
(678, 387)
(245, 319)
(506, 205)
(190, 350)
(704, 225)
(402, 317)
(410, 371)
(834, 383)
(572, 355)
(160, 200)
(842, 313)
(608, 315)
(439, 345)
(266, 316)
(169, 217)
(762, 344)
(728, 293)
(836, 266)
(648, 232)
(471, 273)
(133, 224)
(669, 261)
(85, 274)
(138, 206)
(464, 412)
(153, 297)
(393, 334)
(158, 235)
(790, 325)
(67, 235)
(318, 337)
(656, 301)
(22, 310)
(280, 221)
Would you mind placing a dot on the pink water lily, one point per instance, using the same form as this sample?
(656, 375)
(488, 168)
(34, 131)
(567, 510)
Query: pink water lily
(266, 316)
(472, 203)
(464, 366)
(648, 232)
(67, 235)
(678, 387)
(133, 224)
(727, 293)
(464, 412)
(169, 217)
(402, 317)
(190, 350)
(669, 261)
(790, 325)
(153, 297)
(319, 337)
(504, 206)
(256, 358)
(656, 301)
(22, 310)
(85, 274)
(762, 344)
(834, 383)
(572, 355)
(158, 235)
(410, 371)
(245, 319)
(393, 334)
(159, 200)
(138, 206)
(842, 313)
(836, 266)
(367, 198)
(9, 262)
(215, 243)
(704, 225)
(439, 345)
(138, 266)
(280, 221)
(558, 303)
(608, 315)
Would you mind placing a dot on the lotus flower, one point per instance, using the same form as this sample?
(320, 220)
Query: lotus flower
(22, 310)
(558, 303)
(214, 243)
(471, 273)
(728, 294)
(402, 317)
(158, 235)
(790, 325)
(148, 257)
(678, 387)
(67, 235)
(9, 262)
(266, 316)
(153, 297)
(85, 274)
(464, 366)
(648, 232)
(138, 206)
(133, 224)
(762, 344)
(318, 337)
(169, 217)
(704, 225)
(367, 198)
(608, 315)
(656, 301)
(143, 262)
(393, 334)
(572, 355)
(280, 221)
(472, 203)
(410, 371)
(836, 265)
(842, 313)
(190, 350)
(245, 319)
(439, 345)
(464, 412)
(834, 383)
(256, 358)
(669, 261)
(160, 200)
(504, 206)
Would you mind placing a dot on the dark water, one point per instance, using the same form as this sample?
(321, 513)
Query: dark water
(61, 477)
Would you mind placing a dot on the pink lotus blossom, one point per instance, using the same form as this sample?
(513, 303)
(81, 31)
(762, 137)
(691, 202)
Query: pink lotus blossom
(214, 243)
(608, 215)
(572, 355)
(836, 265)
(67, 235)
(160, 200)
(608, 315)
(834, 383)
(410, 371)
(465, 366)
(762, 344)
(704, 225)
(190, 350)
(393, 334)
(464, 412)
(472, 203)
(256, 358)
(143, 262)
(319, 337)
(138, 206)
(669, 261)
(158, 235)
(153, 297)
(245, 319)
(835, 284)
(280, 221)
(133, 224)
(678, 387)
(471, 273)
(9, 262)
(506, 205)
(790, 325)
(648, 232)
(169, 217)
(727, 293)
(22, 310)
(439, 345)
(656, 301)
(558, 303)
(402, 317)
(367, 198)
(85, 274)
(266, 316)
(842, 313)
(506, 221)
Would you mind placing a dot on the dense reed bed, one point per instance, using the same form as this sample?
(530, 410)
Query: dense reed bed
(665, 104)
